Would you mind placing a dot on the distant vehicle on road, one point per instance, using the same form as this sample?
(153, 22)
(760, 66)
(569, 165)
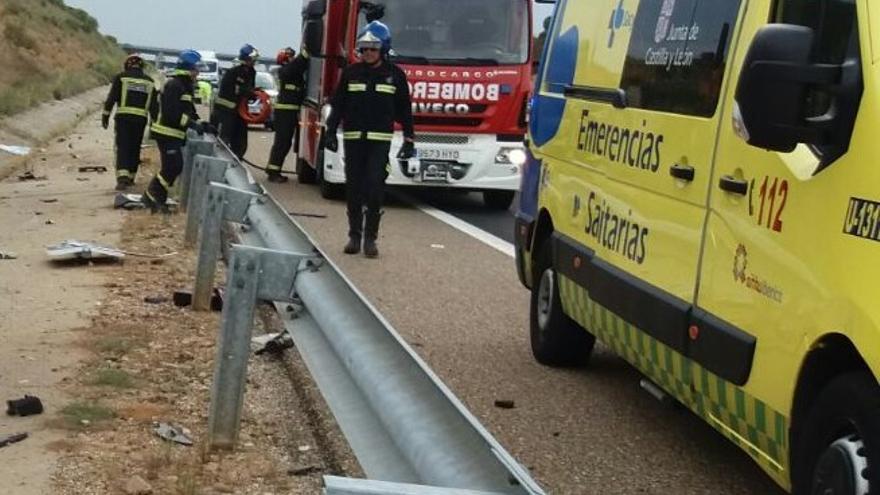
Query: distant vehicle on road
(209, 68)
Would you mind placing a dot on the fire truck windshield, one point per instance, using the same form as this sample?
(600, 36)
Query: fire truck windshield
(458, 32)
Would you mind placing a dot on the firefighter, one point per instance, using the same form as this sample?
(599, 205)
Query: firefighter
(292, 91)
(236, 86)
(176, 114)
(372, 95)
(133, 93)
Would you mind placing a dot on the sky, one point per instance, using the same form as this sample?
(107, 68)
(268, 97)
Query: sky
(221, 26)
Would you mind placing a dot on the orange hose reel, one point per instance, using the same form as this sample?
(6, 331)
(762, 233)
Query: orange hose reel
(265, 108)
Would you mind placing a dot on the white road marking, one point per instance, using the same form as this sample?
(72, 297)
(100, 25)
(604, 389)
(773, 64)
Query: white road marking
(460, 225)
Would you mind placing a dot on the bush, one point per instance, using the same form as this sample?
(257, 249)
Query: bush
(18, 36)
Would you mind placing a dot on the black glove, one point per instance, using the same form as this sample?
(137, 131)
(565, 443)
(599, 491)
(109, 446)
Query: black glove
(105, 120)
(330, 141)
(407, 151)
(209, 128)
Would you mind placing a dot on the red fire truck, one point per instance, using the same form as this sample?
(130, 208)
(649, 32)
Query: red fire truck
(468, 64)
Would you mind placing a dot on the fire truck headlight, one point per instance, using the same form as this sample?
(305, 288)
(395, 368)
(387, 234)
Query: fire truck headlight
(510, 156)
(325, 113)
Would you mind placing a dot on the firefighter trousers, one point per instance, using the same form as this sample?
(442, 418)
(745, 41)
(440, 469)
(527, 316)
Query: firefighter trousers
(366, 168)
(129, 136)
(286, 123)
(171, 153)
(234, 132)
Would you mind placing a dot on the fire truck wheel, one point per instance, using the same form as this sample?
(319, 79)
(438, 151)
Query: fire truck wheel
(305, 174)
(498, 200)
(837, 451)
(557, 340)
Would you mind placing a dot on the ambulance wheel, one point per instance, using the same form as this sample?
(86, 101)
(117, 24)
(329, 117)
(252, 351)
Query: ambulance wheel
(837, 451)
(305, 174)
(498, 200)
(557, 340)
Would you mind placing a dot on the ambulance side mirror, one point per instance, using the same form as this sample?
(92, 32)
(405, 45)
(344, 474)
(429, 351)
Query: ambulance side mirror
(775, 87)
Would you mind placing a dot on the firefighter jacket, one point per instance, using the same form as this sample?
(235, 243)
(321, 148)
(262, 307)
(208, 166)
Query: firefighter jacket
(236, 85)
(369, 100)
(176, 109)
(291, 78)
(133, 93)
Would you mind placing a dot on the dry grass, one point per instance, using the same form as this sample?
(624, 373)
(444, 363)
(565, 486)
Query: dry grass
(50, 51)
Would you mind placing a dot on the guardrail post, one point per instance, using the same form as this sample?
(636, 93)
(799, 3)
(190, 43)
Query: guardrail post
(206, 169)
(254, 274)
(195, 145)
(222, 203)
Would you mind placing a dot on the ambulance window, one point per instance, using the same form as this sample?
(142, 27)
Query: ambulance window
(677, 55)
(557, 75)
(836, 36)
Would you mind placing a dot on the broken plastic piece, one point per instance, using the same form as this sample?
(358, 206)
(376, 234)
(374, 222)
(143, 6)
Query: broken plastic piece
(10, 439)
(72, 249)
(30, 176)
(27, 406)
(183, 298)
(171, 433)
(92, 168)
(155, 300)
(273, 343)
(7, 256)
(15, 150)
(505, 404)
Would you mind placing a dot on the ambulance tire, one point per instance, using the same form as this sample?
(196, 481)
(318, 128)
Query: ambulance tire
(305, 174)
(556, 339)
(498, 200)
(839, 444)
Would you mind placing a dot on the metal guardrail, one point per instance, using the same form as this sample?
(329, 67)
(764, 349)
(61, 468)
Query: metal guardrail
(411, 435)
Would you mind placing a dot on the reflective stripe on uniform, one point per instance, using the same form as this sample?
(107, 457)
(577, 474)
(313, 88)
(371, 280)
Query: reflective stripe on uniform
(354, 87)
(123, 173)
(286, 106)
(291, 87)
(386, 88)
(223, 102)
(273, 167)
(184, 120)
(380, 136)
(130, 84)
(352, 135)
(167, 131)
(186, 97)
(131, 111)
(181, 72)
(162, 181)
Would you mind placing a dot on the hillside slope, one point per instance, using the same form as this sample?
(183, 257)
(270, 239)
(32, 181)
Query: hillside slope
(50, 50)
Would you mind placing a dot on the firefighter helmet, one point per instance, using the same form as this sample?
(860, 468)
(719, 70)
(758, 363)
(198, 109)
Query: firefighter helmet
(189, 60)
(248, 53)
(284, 56)
(134, 61)
(375, 35)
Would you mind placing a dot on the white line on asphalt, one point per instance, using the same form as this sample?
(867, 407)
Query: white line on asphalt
(459, 224)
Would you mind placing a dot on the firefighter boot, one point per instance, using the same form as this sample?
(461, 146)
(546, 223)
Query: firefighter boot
(371, 233)
(353, 246)
(276, 177)
(155, 198)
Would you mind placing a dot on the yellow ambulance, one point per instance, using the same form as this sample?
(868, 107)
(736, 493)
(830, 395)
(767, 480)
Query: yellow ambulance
(702, 196)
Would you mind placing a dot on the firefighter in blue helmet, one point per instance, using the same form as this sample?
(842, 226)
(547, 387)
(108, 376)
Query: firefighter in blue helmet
(237, 85)
(176, 114)
(372, 95)
(134, 95)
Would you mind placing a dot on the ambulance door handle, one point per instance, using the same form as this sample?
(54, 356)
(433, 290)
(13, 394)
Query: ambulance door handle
(733, 185)
(683, 172)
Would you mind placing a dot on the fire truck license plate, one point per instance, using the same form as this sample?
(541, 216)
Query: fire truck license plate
(435, 154)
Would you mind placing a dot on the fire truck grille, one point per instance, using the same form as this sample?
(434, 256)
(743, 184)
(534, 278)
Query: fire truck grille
(442, 138)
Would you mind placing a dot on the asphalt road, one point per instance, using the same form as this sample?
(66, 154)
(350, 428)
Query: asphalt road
(459, 303)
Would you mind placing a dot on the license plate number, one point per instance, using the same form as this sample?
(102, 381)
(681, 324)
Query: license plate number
(435, 154)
